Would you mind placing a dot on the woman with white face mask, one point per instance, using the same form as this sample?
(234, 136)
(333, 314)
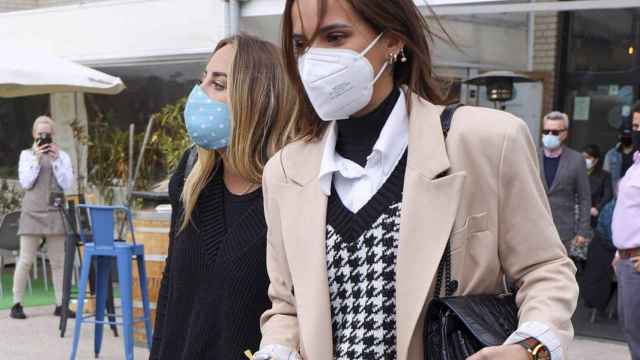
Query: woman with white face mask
(214, 286)
(361, 209)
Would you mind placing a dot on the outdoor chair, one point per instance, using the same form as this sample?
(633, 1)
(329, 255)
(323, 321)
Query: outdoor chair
(10, 244)
(105, 249)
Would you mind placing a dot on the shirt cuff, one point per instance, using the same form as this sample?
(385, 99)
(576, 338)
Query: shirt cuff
(541, 332)
(276, 352)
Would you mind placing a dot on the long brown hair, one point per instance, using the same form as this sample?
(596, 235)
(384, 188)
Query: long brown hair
(401, 18)
(259, 101)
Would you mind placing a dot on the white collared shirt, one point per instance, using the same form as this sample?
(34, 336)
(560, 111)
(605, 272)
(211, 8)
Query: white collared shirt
(355, 184)
(29, 169)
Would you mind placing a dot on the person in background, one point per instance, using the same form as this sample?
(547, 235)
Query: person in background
(626, 237)
(361, 208)
(214, 285)
(565, 178)
(619, 159)
(597, 286)
(43, 170)
(599, 182)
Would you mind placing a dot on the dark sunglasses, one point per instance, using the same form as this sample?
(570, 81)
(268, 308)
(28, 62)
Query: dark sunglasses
(553, 132)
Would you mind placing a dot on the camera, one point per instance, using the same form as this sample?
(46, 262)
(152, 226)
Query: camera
(43, 139)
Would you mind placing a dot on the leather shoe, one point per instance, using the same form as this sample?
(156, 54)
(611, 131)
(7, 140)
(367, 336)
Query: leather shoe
(17, 312)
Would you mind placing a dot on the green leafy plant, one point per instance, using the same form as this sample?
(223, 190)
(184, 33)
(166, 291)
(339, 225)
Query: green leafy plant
(10, 172)
(167, 142)
(10, 197)
(108, 150)
(107, 158)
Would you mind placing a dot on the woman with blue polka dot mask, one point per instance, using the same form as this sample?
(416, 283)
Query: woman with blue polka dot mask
(207, 119)
(214, 286)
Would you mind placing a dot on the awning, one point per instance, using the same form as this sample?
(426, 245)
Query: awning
(25, 72)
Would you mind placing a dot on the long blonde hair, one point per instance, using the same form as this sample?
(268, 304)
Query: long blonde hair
(259, 101)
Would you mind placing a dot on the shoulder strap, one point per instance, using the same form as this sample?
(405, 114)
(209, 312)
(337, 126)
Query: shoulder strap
(443, 277)
(446, 118)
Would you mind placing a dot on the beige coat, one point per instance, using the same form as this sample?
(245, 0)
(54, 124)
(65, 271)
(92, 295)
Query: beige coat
(492, 201)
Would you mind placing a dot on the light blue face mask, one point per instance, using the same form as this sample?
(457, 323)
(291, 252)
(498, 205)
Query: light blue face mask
(551, 142)
(208, 121)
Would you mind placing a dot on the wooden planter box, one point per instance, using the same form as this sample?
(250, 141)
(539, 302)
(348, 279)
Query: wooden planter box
(151, 229)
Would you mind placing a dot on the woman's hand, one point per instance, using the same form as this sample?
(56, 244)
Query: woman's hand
(594, 212)
(504, 352)
(580, 241)
(54, 151)
(41, 150)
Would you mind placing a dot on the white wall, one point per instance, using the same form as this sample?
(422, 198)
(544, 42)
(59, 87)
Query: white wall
(14, 5)
(111, 30)
(104, 32)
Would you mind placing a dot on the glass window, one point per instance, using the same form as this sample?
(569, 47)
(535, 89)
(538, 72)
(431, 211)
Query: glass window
(601, 76)
(597, 111)
(603, 40)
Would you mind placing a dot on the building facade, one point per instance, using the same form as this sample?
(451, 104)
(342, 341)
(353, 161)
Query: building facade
(159, 48)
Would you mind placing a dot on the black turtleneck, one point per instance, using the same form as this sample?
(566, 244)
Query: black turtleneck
(358, 135)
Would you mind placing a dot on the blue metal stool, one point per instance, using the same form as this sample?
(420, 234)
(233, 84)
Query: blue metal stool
(104, 249)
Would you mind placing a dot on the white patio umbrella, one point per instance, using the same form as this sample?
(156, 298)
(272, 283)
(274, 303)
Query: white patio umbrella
(25, 72)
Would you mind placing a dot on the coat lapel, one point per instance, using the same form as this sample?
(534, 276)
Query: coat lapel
(429, 208)
(560, 173)
(304, 232)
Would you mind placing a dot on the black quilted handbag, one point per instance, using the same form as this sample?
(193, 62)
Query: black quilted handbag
(457, 327)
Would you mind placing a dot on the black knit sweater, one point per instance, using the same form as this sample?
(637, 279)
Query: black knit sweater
(214, 287)
(358, 135)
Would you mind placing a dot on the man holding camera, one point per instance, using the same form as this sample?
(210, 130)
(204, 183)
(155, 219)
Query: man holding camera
(45, 172)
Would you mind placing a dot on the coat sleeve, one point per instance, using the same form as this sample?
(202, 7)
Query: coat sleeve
(28, 169)
(279, 324)
(606, 166)
(63, 171)
(530, 249)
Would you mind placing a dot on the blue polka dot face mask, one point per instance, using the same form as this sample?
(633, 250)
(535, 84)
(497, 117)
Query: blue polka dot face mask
(208, 121)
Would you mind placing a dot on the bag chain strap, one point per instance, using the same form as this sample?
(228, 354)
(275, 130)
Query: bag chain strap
(443, 276)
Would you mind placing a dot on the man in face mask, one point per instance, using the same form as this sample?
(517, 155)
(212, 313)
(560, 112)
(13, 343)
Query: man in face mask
(564, 174)
(625, 229)
(619, 159)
